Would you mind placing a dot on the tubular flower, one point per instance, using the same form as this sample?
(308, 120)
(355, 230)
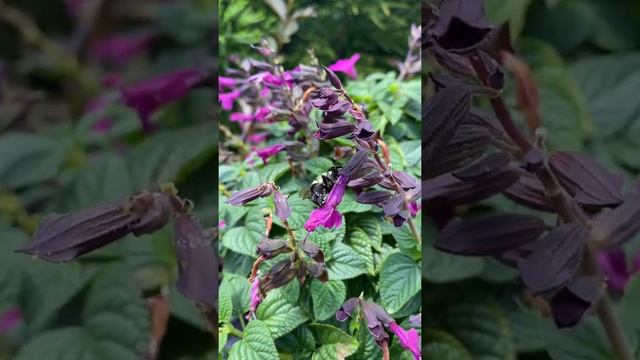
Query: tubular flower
(347, 66)
(409, 339)
(255, 296)
(328, 216)
(269, 151)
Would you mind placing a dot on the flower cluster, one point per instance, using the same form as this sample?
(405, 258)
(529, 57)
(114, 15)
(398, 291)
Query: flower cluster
(377, 319)
(398, 205)
(474, 156)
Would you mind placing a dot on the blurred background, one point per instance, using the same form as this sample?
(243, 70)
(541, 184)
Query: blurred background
(100, 99)
(585, 58)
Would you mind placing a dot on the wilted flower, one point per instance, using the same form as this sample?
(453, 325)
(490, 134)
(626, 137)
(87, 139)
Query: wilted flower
(269, 248)
(269, 151)
(279, 275)
(327, 215)
(245, 196)
(409, 339)
(150, 95)
(347, 66)
(197, 263)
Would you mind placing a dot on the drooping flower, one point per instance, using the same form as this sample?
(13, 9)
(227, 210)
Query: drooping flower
(283, 210)
(347, 66)
(262, 113)
(328, 216)
(269, 151)
(244, 197)
(240, 117)
(409, 339)
(197, 262)
(257, 137)
(226, 99)
(150, 95)
(333, 130)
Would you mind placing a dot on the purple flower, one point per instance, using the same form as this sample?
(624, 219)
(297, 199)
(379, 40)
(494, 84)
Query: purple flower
(240, 117)
(150, 95)
(222, 224)
(244, 197)
(327, 215)
(256, 298)
(120, 49)
(262, 113)
(347, 66)
(333, 130)
(226, 99)
(226, 82)
(409, 339)
(282, 208)
(269, 151)
(9, 319)
(414, 208)
(416, 320)
(257, 137)
(616, 270)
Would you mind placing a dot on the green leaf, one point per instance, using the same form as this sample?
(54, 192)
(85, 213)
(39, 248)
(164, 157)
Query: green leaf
(300, 210)
(244, 239)
(604, 80)
(256, 344)
(370, 225)
(327, 298)
(299, 342)
(225, 305)
(349, 204)
(336, 344)
(406, 242)
(441, 345)
(345, 263)
(326, 238)
(279, 315)
(318, 165)
(105, 179)
(115, 324)
(238, 287)
(171, 155)
(399, 281)
(441, 267)
(481, 326)
(367, 349)
(28, 159)
(227, 173)
(273, 172)
(359, 241)
(412, 152)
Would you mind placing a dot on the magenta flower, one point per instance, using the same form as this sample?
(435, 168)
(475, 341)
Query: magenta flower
(616, 269)
(409, 339)
(262, 113)
(227, 99)
(269, 151)
(222, 224)
(150, 95)
(226, 82)
(240, 117)
(256, 298)
(347, 66)
(328, 216)
(414, 208)
(9, 319)
(257, 137)
(120, 49)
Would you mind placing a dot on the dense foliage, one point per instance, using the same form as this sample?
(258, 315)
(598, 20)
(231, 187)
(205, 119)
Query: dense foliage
(88, 126)
(319, 220)
(531, 198)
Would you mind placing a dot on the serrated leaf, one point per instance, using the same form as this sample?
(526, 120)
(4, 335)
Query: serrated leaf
(244, 239)
(318, 165)
(406, 242)
(359, 241)
(28, 159)
(370, 225)
(115, 324)
(327, 297)
(279, 315)
(336, 343)
(256, 344)
(441, 267)
(345, 263)
(225, 305)
(171, 155)
(441, 345)
(299, 342)
(412, 151)
(399, 281)
(349, 204)
(105, 179)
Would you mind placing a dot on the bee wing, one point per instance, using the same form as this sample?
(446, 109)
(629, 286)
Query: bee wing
(305, 193)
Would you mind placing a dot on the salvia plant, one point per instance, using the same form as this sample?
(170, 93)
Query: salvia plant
(319, 211)
(570, 208)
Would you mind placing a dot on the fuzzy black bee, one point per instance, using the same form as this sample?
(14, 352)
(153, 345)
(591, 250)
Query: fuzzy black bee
(321, 186)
